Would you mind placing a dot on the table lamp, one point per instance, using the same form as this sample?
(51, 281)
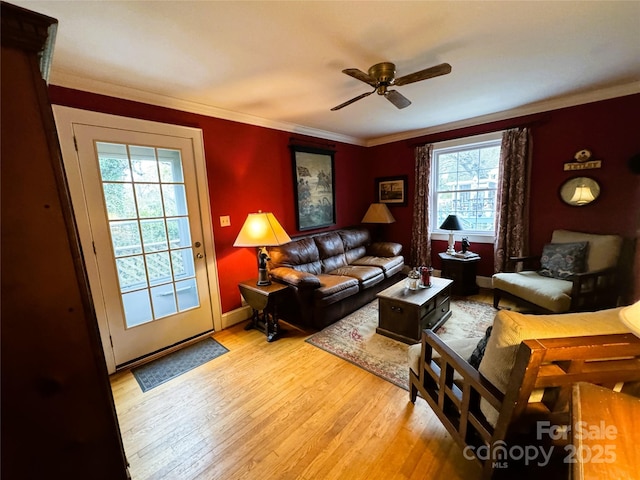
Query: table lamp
(261, 230)
(451, 223)
(378, 213)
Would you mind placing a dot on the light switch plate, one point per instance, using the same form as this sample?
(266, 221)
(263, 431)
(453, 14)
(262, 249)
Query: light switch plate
(225, 221)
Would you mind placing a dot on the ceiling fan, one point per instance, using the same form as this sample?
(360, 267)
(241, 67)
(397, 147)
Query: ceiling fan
(381, 76)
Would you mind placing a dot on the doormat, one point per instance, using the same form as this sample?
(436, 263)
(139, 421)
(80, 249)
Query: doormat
(175, 364)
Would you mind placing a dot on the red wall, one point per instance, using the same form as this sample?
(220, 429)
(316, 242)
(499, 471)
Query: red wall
(608, 128)
(249, 169)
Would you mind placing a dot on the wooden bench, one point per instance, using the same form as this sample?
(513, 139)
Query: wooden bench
(460, 395)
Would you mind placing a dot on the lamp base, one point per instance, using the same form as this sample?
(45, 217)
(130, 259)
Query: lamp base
(263, 277)
(451, 250)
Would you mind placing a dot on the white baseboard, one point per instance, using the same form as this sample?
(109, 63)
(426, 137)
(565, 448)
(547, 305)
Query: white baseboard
(236, 316)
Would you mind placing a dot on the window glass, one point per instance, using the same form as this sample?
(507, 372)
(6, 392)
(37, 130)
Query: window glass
(464, 183)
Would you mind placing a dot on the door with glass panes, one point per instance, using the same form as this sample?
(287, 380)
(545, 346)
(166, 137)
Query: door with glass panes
(142, 200)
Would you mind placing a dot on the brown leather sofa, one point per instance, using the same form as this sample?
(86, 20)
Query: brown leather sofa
(333, 274)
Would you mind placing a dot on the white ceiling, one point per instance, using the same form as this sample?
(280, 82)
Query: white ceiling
(278, 64)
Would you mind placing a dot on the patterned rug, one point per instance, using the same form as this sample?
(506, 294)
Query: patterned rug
(174, 364)
(354, 338)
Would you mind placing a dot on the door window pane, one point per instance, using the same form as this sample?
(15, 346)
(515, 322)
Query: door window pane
(132, 274)
(175, 200)
(144, 164)
(137, 308)
(114, 162)
(187, 294)
(170, 166)
(119, 201)
(178, 230)
(154, 235)
(149, 200)
(183, 265)
(164, 300)
(158, 268)
(125, 237)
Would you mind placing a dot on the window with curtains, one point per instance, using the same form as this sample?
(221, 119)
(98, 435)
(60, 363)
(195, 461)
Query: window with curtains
(464, 182)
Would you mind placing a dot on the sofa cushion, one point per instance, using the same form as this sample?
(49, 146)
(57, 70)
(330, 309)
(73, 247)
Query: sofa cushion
(384, 249)
(300, 254)
(366, 276)
(331, 250)
(603, 251)
(562, 260)
(550, 293)
(389, 265)
(334, 288)
(511, 328)
(353, 238)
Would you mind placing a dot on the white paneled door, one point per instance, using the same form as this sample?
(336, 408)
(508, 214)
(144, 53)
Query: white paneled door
(145, 218)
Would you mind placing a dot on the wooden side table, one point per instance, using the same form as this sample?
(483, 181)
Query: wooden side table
(264, 301)
(604, 434)
(462, 271)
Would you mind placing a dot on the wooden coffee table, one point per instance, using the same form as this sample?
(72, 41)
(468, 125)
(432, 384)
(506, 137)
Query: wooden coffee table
(404, 313)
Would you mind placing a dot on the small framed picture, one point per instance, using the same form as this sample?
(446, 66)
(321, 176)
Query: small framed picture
(392, 190)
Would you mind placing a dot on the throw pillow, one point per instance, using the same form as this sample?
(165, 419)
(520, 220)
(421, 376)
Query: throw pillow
(561, 260)
(478, 352)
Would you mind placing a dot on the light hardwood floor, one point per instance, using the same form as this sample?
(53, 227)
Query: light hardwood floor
(282, 410)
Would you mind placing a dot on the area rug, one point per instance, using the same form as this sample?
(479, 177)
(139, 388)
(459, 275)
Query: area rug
(175, 364)
(354, 338)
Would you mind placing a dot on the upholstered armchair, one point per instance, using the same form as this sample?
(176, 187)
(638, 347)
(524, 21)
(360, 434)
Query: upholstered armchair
(578, 271)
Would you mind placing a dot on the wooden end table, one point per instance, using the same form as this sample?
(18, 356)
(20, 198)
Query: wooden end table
(462, 271)
(404, 313)
(265, 299)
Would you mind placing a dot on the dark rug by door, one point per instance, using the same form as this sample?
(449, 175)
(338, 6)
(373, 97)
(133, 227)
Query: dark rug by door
(354, 338)
(174, 364)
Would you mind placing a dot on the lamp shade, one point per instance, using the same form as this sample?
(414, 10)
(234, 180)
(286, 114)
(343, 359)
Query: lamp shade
(451, 223)
(261, 230)
(378, 213)
(582, 195)
(630, 316)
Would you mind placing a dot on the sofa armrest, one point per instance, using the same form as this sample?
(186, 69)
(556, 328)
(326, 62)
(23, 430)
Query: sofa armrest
(295, 278)
(384, 249)
(530, 262)
(594, 290)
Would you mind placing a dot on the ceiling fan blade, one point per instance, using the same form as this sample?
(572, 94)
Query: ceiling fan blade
(360, 75)
(431, 72)
(397, 99)
(349, 102)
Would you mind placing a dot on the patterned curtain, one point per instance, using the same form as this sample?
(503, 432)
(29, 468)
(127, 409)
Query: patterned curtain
(512, 219)
(420, 238)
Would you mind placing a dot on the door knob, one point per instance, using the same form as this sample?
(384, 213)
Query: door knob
(199, 255)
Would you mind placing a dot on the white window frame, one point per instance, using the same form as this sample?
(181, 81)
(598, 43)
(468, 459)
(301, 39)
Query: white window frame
(452, 145)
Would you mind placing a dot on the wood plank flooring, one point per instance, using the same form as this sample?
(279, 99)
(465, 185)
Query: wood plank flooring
(281, 410)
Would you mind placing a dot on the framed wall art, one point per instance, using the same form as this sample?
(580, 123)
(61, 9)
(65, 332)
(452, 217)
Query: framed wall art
(314, 187)
(392, 190)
